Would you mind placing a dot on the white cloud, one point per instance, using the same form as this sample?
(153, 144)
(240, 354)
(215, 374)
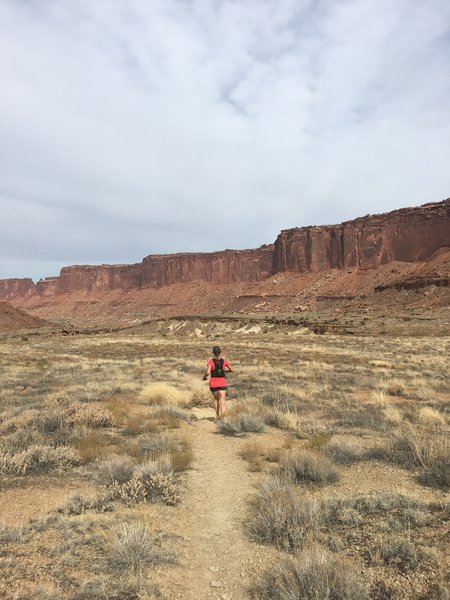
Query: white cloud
(129, 128)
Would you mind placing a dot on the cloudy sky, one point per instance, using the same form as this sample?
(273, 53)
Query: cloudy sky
(133, 127)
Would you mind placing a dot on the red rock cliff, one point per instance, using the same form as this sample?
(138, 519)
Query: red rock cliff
(229, 266)
(412, 234)
(11, 288)
(409, 235)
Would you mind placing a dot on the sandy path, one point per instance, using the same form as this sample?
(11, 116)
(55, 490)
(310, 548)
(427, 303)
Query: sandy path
(216, 559)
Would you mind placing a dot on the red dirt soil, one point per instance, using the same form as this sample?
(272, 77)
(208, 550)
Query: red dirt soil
(14, 319)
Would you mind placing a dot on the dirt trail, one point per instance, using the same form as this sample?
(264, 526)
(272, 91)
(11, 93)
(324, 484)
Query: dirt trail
(217, 558)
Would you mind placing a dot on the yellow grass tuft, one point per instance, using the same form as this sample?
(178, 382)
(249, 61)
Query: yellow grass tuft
(392, 415)
(163, 394)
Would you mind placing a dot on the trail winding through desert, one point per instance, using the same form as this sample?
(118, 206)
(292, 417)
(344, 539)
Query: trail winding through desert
(217, 558)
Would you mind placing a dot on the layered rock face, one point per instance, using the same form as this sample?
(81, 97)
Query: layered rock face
(12, 288)
(408, 235)
(229, 266)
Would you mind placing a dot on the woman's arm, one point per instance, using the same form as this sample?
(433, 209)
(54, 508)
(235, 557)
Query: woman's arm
(207, 372)
(228, 368)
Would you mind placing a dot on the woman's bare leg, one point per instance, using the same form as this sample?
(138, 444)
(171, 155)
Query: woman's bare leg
(216, 402)
(223, 403)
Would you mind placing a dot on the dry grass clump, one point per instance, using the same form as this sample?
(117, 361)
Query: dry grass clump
(412, 447)
(308, 467)
(132, 548)
(284, 417)
(431, 416)
(152, 481)
(278, 516)
(255, 454)
(181, 455)
(130, 492)
(79, 505)
(13, 534)
(89, 416)
(401, 553)
(437, 473)
(128, 588)
(313, 575)
(38, 459)
(242, 422)
(343, 452)
(116, 468)
(93, 445)
(163, 394)
(392, 415)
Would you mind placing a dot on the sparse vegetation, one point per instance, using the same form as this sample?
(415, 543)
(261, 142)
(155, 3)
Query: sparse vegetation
(106, 416)
(314, 574)
(308, 467)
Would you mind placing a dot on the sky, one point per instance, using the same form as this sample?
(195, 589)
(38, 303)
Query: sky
(137, 127)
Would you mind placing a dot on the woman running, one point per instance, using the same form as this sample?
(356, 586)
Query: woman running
(217, 367)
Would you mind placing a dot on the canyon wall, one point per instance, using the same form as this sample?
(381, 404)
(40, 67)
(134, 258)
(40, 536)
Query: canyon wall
(409, 235)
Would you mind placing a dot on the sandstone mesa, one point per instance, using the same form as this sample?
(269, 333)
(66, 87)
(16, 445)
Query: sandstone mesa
(408, 235)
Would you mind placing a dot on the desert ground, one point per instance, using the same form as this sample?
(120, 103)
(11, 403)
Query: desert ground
(328, 478)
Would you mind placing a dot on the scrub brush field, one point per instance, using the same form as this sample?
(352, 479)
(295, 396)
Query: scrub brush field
(328, 478)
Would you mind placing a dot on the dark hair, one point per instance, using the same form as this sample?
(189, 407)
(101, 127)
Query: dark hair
(216, 350)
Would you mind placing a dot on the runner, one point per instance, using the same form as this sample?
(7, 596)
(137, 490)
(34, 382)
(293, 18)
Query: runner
(217, 367)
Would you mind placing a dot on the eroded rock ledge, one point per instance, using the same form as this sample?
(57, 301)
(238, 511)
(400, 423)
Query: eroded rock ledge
(407, 235)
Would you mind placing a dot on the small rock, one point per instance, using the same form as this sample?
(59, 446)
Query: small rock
(214, 569)
(216, 584)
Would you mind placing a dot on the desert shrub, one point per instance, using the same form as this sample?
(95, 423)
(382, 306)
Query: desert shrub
(78, 505)
(132, 548)
(401, 553)
(343, 452)
(130, 492)
(181, 455)
(21, 440)
(162, 488)
(284, 418)
(314, 575)
(90, 416)
(120, 589)
(308, 467)
(392, 415)
(431, 416)
(252, 422)
(162, 394)
(157, 444)
(367, 417)
(242, 422)
(158, 481)
(437, 473)
(49, 422)
(395, 388)
(412, 448)
(255, 455)
(27, 419)
(199, 397)
(13, 534)
(116, 468)
(38, 459)
(160, 465)
(279, 517)
(228, 426)
(92, 445)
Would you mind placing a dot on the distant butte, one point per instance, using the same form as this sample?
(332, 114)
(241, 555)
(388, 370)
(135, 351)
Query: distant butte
(407, 235)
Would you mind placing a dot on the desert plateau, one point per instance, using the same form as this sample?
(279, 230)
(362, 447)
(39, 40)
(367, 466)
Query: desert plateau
(329, 476)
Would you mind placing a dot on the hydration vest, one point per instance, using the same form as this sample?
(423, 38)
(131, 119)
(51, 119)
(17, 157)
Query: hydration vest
(218, 368)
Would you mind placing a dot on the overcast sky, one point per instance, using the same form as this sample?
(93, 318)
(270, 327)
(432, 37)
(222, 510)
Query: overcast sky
(136, 127)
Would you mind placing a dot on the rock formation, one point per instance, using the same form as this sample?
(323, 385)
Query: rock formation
(406, 235)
